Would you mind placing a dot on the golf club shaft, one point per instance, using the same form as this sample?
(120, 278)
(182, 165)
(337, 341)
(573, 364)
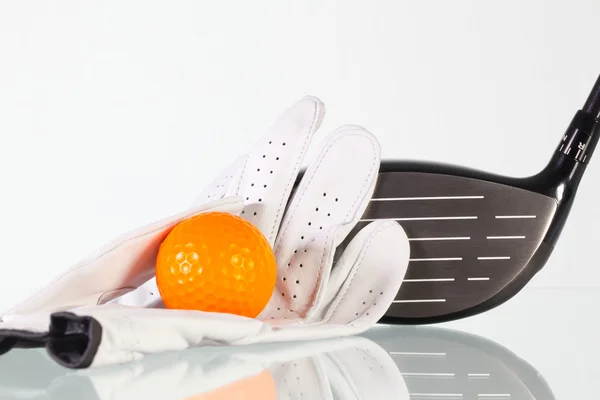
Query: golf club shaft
(592, 105)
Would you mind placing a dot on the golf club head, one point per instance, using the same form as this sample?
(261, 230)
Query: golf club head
(439, 363)
(476, 238)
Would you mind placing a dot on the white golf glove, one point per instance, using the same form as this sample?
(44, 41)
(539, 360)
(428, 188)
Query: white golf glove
(350, 368)
(107, 310)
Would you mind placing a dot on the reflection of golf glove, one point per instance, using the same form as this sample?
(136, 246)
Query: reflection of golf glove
(345, 368)
(107, 310)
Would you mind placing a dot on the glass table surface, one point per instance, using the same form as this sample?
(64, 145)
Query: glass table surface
(543, 344)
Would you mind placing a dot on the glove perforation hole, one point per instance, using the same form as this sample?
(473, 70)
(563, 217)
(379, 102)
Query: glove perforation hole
(284, 278)
(277, 158)
(297, 282)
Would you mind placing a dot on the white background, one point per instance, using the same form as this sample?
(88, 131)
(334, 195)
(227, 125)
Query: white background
(115, 114)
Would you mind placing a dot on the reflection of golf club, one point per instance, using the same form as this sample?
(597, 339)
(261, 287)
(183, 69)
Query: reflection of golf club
(478, 238)
(441, 363)
(345, 368)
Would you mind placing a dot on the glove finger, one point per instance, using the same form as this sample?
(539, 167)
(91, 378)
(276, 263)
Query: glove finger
(265, 176)
(271, 168)
(367, 277)
(292, 128)
(115, 269)
(327, 204)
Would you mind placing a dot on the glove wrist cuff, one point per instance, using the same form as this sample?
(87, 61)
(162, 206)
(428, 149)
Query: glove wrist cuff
(73, 340)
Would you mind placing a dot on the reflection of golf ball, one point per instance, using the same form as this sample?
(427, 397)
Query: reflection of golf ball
(261, 386)
(216, 262)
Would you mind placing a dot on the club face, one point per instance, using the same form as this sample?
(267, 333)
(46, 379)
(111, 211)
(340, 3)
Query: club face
(474, 241)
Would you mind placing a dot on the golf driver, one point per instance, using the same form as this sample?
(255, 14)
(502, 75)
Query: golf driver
(476, 238)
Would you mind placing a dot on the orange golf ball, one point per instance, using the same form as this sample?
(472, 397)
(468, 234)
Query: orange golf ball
(216, 262)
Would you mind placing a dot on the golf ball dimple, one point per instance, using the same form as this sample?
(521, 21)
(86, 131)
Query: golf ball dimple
(216, 262)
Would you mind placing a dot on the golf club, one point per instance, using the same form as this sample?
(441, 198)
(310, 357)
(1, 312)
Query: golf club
(477, 238)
